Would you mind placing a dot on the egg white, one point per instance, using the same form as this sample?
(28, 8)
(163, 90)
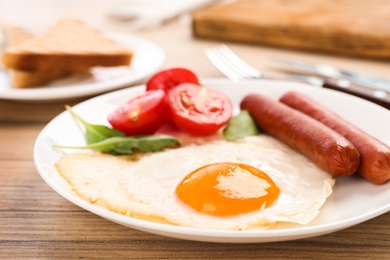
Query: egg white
(145, 188)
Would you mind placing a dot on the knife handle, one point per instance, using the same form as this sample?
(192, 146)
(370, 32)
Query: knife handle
(379, 97)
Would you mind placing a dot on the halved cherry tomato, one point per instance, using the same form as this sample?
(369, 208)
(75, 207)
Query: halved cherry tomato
(168, 79)
(141, 115)
(199, 110)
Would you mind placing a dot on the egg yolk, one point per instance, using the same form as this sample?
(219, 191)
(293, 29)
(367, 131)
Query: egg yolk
(227, 189)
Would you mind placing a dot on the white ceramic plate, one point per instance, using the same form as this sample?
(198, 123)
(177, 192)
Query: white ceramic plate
(353, 201)
(148, 58)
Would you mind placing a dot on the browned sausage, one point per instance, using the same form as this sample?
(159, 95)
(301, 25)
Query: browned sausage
(374, 154)
(326, 148)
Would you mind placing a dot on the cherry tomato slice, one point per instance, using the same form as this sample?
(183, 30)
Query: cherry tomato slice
(168, 79)
(199, 110)
(142, 114)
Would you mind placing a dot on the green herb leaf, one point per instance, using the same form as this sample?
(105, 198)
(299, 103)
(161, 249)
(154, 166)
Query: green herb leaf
(130, 145)
(240, 126)
(95, 133)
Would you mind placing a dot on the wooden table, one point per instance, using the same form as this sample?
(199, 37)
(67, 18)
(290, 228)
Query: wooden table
(38, 223)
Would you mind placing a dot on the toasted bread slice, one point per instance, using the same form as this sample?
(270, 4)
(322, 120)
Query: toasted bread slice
(30, 79)
(25, 79)
(69, 45)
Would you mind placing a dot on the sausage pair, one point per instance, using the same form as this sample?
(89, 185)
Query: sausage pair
(340, 149)
(374, 154)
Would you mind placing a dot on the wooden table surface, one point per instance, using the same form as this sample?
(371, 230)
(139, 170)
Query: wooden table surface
(37, 223)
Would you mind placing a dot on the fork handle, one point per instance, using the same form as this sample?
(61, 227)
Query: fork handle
(379, 97)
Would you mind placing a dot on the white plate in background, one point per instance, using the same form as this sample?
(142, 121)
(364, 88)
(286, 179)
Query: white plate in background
(353, 201)
(148, 58)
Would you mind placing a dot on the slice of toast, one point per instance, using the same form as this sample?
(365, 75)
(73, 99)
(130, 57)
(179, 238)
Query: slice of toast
(15, 36)
(69, 45)
(41, 75)
(38, 78)
(25, 79)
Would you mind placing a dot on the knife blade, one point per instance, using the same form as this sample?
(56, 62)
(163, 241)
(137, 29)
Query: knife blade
(332, 72)
(378, 97)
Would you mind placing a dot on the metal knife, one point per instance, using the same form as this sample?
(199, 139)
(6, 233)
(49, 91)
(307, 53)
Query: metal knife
(379, 97)
(324, 70)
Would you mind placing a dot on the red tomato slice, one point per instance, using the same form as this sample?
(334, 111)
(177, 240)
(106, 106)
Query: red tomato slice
(141, 115)
(198, 110)
(168, 79)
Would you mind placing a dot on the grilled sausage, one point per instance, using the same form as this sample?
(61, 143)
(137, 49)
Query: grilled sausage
(326, 148)
(374, 154)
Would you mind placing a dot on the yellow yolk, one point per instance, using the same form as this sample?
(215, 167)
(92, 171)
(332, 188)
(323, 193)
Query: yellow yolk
(226, 189)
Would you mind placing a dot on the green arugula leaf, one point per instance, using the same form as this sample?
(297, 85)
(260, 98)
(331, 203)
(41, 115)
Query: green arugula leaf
(129, 145)
(240, 126)
(95, 133)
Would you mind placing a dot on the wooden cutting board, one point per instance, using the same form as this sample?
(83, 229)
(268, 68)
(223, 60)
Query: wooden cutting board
(346, 27)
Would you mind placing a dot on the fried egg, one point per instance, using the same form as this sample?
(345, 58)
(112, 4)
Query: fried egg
(252, 183)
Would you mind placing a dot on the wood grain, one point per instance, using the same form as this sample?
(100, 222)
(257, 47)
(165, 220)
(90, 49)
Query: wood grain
(344, 27)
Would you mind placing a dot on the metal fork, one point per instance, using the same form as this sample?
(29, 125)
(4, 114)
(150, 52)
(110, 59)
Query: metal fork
(234, 68)
(230, 65)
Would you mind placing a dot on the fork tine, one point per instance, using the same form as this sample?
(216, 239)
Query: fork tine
(239, 63)
(220, 63)
(230, 64)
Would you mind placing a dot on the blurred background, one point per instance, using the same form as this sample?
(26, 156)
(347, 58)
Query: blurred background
(114, 14)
